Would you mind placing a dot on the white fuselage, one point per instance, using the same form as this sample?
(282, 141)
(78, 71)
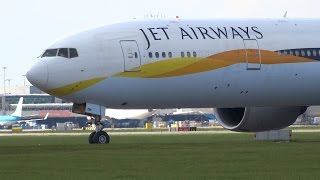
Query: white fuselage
(187, 63)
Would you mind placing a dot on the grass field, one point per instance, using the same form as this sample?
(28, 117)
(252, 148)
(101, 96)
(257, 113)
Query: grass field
(214, 156)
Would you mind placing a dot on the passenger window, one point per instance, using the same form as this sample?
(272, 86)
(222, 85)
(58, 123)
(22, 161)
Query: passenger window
(136, 55)
(157, 55)
(73, 53)
(303, 53)
(194, 54)
(170, 54)
(63, 52)
(163, 54)
(314, 52)
(308, 52)
(188, 54)
(296, 52)
(182, 54)
(291, 52)
(285, 52)
(50, 53)
(150, 54)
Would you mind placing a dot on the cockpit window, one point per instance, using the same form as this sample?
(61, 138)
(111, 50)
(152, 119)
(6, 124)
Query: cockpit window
(62, 52)
(50, 53)
(73, 53)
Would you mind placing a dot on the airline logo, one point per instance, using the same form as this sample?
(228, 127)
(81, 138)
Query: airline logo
(210, 33)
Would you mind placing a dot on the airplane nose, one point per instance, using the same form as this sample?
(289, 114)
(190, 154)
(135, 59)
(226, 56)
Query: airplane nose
(38, 74)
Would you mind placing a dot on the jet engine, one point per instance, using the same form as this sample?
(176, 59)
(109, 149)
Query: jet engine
(257, 119)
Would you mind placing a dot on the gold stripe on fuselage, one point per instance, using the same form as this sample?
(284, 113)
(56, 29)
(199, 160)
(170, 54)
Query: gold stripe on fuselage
(75, 87)
(184, 66)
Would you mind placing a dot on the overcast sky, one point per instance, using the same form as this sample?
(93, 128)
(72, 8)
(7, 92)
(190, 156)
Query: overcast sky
(29, 26)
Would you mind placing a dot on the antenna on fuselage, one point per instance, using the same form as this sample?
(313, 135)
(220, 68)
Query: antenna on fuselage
(285, 14)
(155, 16)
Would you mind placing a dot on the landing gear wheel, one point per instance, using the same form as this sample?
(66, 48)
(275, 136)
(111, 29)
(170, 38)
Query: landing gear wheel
(101, 137)
(91, 141)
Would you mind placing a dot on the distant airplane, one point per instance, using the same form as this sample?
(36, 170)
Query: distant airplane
(129, 113)
(186, 112)
(257, 74)
(16, 117)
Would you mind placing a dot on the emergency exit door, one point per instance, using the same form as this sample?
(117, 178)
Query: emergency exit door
(252, 54)
(131, 55)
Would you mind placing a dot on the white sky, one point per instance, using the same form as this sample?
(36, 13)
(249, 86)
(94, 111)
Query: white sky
(29, 26)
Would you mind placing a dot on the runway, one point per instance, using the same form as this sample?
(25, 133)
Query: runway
(73, 133)
(112, 133)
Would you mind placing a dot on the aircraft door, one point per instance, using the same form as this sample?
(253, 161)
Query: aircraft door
(131, 55)
(252, 54)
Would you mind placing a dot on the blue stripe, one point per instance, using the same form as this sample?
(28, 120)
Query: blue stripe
(9, 118)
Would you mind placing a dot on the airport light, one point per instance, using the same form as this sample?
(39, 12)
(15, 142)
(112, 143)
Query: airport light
(4, 91)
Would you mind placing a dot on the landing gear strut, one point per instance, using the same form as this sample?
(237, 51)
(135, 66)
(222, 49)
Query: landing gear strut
(99, 136)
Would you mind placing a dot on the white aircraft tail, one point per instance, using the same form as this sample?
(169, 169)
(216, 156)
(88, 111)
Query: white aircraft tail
(46, 117)
(18, 111)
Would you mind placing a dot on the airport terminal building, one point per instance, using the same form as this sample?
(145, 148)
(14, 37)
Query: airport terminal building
(37, 104)
(34, 100)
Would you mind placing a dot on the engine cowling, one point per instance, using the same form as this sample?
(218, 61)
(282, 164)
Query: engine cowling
(257, 119)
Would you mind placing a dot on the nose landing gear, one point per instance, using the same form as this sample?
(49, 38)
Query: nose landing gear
(96, 112)
(99, 136)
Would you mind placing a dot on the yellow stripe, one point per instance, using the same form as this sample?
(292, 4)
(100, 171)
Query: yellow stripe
(185, 66)
(75, 87)
(159, 67)
(206, 64)
(267, 57)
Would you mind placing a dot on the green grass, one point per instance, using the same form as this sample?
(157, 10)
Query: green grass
(215, 156)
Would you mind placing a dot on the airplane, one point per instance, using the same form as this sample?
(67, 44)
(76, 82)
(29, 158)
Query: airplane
(256, 74)
(123, 114)
(16, 116)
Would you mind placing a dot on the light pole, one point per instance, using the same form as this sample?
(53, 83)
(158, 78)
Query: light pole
(9, 80)
(24, 80)
(4, 91)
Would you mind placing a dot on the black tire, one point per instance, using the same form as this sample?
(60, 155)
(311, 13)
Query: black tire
(91, 136)
(101, 137)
